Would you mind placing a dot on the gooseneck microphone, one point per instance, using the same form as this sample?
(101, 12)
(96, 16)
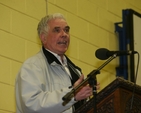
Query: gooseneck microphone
(104, 53)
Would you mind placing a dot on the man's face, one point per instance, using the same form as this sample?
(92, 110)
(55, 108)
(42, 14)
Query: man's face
(58, 38)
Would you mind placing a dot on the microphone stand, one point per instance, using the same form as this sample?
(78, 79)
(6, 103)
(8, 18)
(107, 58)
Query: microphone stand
(93, 83)
(91, 79)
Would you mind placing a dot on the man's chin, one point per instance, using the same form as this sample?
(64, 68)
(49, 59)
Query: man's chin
(62, 51)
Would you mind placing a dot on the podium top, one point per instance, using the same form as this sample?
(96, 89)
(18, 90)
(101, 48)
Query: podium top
(118, 83)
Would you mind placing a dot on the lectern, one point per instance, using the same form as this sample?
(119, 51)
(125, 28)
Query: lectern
(115, 98)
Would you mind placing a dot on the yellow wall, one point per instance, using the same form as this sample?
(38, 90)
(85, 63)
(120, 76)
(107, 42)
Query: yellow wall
(92, 27)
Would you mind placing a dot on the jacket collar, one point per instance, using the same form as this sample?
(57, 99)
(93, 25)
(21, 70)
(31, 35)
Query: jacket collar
(50, 57)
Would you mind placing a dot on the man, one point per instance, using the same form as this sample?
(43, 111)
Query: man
(49, 75)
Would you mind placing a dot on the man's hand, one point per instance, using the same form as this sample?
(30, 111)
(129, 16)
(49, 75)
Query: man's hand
(84, 92)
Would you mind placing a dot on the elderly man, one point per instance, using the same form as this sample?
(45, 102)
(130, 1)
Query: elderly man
(49, 75)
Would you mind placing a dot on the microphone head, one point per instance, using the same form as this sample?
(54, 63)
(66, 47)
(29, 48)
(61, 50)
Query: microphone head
(102, 53)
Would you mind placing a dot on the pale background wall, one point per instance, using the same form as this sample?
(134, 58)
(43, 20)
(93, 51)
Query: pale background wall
(92, 27)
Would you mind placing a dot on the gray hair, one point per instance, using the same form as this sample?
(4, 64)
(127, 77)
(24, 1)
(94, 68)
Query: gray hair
(43, 24)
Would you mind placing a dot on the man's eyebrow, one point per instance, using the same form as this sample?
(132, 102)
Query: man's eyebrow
(67, 27)
(56, 27)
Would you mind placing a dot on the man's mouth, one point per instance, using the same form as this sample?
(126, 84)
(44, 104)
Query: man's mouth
(63, 42)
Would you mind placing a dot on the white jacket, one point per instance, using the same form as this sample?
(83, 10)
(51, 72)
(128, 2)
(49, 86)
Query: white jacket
(40, 86)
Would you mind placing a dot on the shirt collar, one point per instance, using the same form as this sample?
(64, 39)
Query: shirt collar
(51, 57)
(58, 57)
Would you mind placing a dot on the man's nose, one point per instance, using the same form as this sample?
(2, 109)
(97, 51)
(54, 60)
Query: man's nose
(64, 33)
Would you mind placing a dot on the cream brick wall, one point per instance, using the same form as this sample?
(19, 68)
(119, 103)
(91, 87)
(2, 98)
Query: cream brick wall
(92, 27)
(18, 41)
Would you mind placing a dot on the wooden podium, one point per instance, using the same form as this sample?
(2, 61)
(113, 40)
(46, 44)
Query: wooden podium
(115, 98)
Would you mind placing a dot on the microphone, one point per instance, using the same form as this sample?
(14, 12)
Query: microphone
(104, 53)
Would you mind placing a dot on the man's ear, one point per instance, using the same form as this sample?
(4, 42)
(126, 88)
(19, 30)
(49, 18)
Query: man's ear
(43, 37)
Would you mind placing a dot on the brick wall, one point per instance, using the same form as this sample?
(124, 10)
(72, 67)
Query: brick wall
(92, 27)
